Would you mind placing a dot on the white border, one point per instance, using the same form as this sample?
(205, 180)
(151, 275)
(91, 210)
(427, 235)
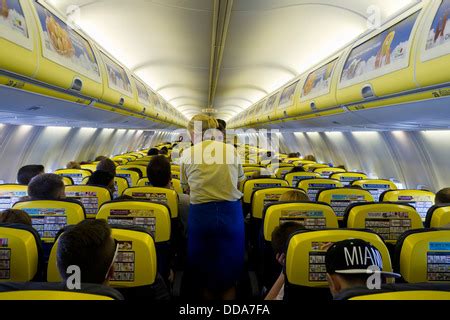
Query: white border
(436, 52)
(18, 38)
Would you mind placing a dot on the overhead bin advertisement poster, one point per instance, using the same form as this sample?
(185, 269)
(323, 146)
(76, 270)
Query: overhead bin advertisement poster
(287, 97)
(65, 46)
(385, 53)
(271, 103)
(319, 81)
(117, 77)
(143, 95)
(438, 42)
(13, 25)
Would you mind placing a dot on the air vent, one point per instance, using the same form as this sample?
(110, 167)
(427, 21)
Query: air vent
(35, 108)
(367, 92)
(121, 102)
(77, 84)
(313, 106)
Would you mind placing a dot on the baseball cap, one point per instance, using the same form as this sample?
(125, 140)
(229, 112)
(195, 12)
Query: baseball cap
(355, 256)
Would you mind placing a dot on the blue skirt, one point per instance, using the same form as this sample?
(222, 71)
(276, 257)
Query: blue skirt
(216, 244)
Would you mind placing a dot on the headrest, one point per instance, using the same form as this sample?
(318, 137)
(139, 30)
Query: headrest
(263, 197)
(341, 198)
(142, 169)
(423, 255)
(77, 175)
(348, 177)
(92, 197)
(10, 194)
(131, 176)
(158, 195)
(154, 217)
(313, 186)
(313, 216)
(263, 183)
(438, 217)
(313, 166)
(327, 172)
(294, 178)
(419, 199)
(375, 187)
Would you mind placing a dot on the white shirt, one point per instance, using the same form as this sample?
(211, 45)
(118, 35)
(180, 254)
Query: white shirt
(211, 170)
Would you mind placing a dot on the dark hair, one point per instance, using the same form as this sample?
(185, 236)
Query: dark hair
(100, 178)
(222, 125)
(86, 246)
(27, 173)
(15, 216)
(46, 187)
(159, 172)
(281, 234)
(153, 152)
(124, 197)
(100, 158)
(135, 170)
(297, 169)
(164, 151)
(107, 165)
(443, 196)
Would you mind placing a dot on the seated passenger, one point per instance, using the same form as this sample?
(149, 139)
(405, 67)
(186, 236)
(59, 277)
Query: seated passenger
(297, 169)
(12, 216)
(100, 158)
(443, 197)
(294, 195)
(102, 179)
(153, 152)
(27, 173)
(73, 165)
(46, 187)
(107, 165)
(280, 238)
(310, 157)
(344, 273)
(294, 155)
(164, 151)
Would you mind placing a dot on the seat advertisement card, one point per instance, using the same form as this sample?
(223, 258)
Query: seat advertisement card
(13, 26)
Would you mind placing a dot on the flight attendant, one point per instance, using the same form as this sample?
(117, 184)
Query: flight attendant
(210, 173)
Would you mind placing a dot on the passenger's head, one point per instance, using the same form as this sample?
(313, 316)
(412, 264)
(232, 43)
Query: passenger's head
(100, 158)
(200, 124)
(297, 169)
(89, 246)
(102, 179)
(443, 196)
(294, 195)
(294, 155)
(107, 165)
(280, 238)
(46, 187)
(15, 216)
(159, 172)
(27, 173)
(153, 152)
(350, 263)
(73, 165)
(310, 157)
(222, 128)
(164, 151)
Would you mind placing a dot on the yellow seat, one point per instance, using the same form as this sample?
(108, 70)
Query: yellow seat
(281, 172)
(120, 161)
(175, 168)
(92, 197)
(144, 182)
(134, 266)
(339, 199)
(77, 175)
(305, 258)
(313, 186)
(438, 217)
(263, 197)
(121, 185)
(10, 194)
(158, 195)
(423, 256)
(154, 217)
(131, 176)
(251, 165)
(19, 253)
(303, 163)
(291, 160)
(123, 157)
(313, 166)
(294, 178)
(252, 185)
(138, 163)
(47, 295)
(407, 295)
(419, 199)
(176, 175)
(48, 217)
(252, 169)
(176, 184)
(92, 167)
(389, 220)
(375, 187)
(312, 216)
(347, 178)
(327, 172)
(142, 169)
(68, 181)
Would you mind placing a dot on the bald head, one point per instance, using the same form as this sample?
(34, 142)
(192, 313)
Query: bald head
(443, 196)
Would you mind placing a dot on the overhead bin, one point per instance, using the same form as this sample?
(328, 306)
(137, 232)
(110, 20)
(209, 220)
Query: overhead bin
(271, 106)
(288, 100)
(143, 97)
(381, 64)
(433, 58)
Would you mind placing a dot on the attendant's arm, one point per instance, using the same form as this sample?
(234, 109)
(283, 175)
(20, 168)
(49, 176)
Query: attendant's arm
(275, 291)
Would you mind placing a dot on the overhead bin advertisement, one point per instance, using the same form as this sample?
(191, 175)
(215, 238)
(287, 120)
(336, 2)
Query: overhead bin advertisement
(65, 46)
(143, 95)
(117, 77)
(287, 97)
(13, 26)
(319, 81)
(271, 103)
(385, 53)
(438, 42)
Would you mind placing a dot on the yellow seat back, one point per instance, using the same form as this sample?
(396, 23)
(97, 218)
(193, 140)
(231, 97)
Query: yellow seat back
(438, 217)
(134, 266)
(313, 166)
(19, 254)
(305, 259)
(176, 175)
(142, 169)
(47, 295)
(92, 167)
(69, 182)
(48, 217)
(406, 295)
(281, 172)
(313, 186)
(313, 216)
(131, 176)
(252, 185)
(10, 194)
(261, 198)
(124, 157)
(375, 187)
(92, 197)
(138, 163)
(419, 199)
(347, 178)
(339, 199)
(299, 163)
(158, 195)
(77, 175)
(389, 220)
(294, 178)
(424, 256)
(121, 185)
(120, 161)
(327, 172)
(176, 184)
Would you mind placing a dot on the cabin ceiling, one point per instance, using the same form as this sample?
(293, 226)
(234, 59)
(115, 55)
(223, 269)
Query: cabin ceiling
(224, 54)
